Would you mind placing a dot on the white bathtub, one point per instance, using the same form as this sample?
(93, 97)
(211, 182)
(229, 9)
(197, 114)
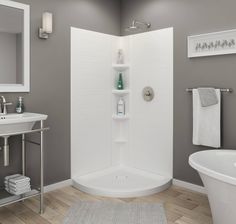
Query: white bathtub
(217, 169)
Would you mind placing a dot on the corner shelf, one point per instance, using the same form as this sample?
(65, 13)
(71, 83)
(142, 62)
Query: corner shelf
(120, 140)
(120, 67)
(121, 118)
(120, 124)
(121, 92)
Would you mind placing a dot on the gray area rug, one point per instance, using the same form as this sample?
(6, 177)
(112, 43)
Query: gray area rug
(85, 212)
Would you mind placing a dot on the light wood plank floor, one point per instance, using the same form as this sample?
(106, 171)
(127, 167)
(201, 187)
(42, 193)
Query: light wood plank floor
(182, 206)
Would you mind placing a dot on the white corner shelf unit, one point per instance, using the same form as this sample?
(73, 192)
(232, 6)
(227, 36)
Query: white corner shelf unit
(121, 92)
(120, 67)
(120, 140)
(120, 124)
(124, 93)
(117, 117)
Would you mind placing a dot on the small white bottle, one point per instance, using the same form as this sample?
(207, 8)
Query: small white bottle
(121, 107)
(120, 57)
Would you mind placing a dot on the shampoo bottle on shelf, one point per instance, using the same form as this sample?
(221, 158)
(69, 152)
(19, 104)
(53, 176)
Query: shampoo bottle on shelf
(20, 105)
(120, 84)
(120, 57)
(121, 107)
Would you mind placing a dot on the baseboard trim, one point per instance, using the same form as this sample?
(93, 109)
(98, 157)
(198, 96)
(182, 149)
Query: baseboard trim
(189, 186)
(58, 185)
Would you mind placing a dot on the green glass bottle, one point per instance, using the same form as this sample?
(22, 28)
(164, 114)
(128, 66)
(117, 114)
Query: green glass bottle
(120, 85)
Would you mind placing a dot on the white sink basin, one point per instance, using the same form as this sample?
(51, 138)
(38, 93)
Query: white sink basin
(12, 123)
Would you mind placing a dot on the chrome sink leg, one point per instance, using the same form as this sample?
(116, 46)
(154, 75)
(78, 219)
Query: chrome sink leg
(41, 168)
(23, 154)
(6, 151)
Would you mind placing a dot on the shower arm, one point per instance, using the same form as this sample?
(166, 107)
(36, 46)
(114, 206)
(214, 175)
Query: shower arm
(148, 25)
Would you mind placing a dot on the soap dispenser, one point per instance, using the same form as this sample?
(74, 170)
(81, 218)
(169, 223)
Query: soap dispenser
(20, 105)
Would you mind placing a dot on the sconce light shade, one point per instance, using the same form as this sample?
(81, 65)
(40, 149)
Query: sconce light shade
(46, 25)
(47, 22)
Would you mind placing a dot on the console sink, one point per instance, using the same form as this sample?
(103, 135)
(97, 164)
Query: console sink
(12, 123)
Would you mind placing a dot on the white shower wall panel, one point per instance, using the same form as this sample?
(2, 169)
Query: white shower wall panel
(151, 123)
(149, 129)
(91, 59)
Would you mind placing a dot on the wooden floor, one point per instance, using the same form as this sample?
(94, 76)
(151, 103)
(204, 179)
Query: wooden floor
(181, 206)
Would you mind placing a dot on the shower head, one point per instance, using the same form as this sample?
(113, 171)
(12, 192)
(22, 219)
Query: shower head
(136, 26)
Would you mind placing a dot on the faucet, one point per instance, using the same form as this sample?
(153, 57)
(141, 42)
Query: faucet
(3, 107)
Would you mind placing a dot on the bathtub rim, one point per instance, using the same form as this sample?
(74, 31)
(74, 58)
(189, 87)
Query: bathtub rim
(209, 172)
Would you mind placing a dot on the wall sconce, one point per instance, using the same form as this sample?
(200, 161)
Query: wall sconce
(46, 26)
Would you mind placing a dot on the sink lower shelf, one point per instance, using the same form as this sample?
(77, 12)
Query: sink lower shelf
(6, 198)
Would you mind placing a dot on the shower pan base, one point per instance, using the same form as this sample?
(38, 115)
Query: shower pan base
(122, 182)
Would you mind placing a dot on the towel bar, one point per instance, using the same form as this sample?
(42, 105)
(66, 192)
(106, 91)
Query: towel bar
(227, 90)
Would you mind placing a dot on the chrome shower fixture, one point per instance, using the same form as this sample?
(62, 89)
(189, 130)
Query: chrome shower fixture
(138, 25)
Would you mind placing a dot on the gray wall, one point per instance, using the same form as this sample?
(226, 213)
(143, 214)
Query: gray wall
(189, 17)
(50, 78)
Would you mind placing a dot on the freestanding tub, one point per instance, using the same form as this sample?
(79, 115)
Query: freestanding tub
(217, 169)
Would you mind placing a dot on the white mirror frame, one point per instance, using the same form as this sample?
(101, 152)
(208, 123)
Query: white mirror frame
(25, 87)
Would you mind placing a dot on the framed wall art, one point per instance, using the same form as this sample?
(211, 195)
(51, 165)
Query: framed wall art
(210, 44)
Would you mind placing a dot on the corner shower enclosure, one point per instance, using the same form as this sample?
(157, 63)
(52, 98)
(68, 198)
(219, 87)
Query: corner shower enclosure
(127, 156)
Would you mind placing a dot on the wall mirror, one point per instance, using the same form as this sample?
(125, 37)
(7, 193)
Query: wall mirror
(14, 47)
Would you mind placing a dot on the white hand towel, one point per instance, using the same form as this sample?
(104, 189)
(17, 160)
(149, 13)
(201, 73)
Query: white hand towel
(16, 187)
(206, 122)
(18, 192)
(12, 176)
(19, 180)
(17, 184)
